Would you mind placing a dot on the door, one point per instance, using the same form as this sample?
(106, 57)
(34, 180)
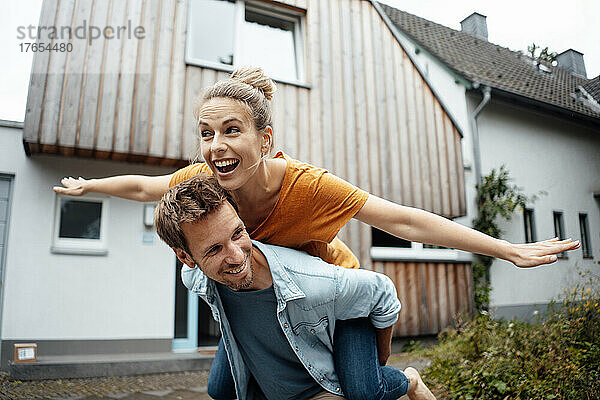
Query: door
(5, 191)
(186, 314)
(194, 324)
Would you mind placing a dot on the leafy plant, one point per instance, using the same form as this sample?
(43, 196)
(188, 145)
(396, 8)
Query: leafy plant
(544, 55)
(496, 197)
(554, 358)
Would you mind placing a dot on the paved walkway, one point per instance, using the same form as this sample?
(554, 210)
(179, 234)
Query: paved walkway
(167, 386)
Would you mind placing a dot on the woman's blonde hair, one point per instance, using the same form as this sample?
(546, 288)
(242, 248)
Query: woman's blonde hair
(249, 86)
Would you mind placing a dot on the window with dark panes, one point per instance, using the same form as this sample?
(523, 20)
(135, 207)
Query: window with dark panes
(529, 225)
(80, 219)
(381, 238)
(80, 226)
(559, 229)
(584, 230)
(225, 34)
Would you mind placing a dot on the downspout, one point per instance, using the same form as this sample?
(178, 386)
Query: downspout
(487, 95)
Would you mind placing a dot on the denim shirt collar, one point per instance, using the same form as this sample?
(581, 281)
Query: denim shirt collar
(286, 288)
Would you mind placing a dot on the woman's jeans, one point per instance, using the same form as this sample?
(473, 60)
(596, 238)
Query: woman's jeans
(356, 364)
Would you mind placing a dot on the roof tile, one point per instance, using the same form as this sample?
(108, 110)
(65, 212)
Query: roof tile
(481, 61)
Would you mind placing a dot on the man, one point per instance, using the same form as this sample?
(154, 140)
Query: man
(277, 307)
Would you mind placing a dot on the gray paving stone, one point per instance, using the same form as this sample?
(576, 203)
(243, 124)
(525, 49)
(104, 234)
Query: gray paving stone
(159, 393)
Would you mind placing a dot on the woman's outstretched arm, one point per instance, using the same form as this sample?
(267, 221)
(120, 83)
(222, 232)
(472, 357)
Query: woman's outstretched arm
(132, 187)
(421, 226)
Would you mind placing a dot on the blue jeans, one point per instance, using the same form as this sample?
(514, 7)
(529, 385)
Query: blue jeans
(356, 364)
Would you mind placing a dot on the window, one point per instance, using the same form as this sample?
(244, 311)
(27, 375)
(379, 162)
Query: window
(80, 226)
(559, 229)
(223, 34)
(386, 247)
(380, 238)
(584, 230)
(529, 225)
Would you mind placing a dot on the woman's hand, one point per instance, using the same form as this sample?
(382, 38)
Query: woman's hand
(72, 187)
(529, 255)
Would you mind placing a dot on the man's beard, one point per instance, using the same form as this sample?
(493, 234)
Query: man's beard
(243, 285)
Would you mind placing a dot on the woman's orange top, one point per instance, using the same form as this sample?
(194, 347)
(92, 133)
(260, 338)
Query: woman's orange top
(313, 206)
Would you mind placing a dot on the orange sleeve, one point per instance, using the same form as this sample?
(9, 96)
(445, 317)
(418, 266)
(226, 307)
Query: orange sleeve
(334, 202)
(187, 172)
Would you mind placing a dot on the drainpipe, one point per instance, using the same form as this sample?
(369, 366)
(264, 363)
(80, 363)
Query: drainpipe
(487, 95)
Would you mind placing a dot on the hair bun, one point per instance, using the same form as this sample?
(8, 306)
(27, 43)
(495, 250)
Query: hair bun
(255, 77)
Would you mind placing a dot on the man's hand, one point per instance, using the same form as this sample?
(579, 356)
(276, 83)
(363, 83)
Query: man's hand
(384, 343)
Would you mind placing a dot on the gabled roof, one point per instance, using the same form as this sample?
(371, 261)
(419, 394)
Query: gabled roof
(593, 87)
(498, 67)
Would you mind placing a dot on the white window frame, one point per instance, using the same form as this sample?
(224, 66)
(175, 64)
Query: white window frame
(96, 247)
(420, 254)
(273, 10)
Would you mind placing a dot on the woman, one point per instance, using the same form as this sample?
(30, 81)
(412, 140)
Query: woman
(289, 203)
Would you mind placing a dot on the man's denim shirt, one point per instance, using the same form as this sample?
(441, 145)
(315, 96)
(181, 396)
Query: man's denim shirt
(311, 296)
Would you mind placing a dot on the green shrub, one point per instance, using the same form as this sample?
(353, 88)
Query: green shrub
(554, 358)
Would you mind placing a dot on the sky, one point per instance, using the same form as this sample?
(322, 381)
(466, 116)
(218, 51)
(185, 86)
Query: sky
(514, 24)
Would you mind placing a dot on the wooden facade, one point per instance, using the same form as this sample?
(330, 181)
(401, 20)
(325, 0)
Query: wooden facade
(365, 113)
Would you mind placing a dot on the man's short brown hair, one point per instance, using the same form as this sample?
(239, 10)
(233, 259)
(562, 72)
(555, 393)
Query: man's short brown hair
(188, 202)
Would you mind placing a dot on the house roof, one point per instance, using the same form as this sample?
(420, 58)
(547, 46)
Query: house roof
(593, 87)
(498, 67)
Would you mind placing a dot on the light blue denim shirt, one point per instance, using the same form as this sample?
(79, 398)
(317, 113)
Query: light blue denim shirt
(311, 295)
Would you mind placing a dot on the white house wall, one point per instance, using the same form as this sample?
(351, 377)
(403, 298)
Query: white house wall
(126, 294)
(542, 153)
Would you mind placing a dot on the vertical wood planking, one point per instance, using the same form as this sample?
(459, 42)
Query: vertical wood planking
(372, 161)
(432, 154)
(411, 151)
(54, 84)
(424, 181)
(145, 79)
(412, 298)
(392, 179)
(73, 83)
(91, 97)
(461, 289)
(349, 121)
(291, 120)
(403, 148)
(124, 104)
(39, 69)
(303, 139)
(338, 125)
(380, 139)
(399, 277)
(177, 84)
(453, 174)
(105, 126)
(359, 100)
(432, 299)
(452, 301)
(162, 72)
(442, 156)
(316, 127)
(462, 207)
(325, 86)
(444, 307)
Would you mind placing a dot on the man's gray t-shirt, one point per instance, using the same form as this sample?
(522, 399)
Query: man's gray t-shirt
(265, 350)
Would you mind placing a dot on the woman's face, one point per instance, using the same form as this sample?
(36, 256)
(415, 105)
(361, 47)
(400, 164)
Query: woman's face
(229, 142)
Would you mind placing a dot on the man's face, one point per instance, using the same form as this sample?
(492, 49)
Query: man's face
(221, 247)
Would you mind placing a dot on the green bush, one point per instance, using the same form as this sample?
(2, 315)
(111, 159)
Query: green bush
(554, 358)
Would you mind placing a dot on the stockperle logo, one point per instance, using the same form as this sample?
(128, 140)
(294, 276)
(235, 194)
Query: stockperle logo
(83, 31)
